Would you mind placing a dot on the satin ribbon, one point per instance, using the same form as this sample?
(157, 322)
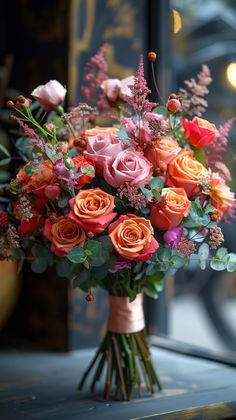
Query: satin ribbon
(126, 316)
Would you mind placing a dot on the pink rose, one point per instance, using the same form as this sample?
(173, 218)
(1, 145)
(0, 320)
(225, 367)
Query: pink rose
(49, 95)
(116, 89)
(129, 166)
(111, 88)
(103, 148)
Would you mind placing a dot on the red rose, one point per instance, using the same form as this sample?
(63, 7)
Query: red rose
(199, 132)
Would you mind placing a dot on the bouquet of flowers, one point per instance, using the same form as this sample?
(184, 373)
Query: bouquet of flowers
(118, 207)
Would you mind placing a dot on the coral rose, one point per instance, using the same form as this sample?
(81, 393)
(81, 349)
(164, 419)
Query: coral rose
(129, 166)
(64, 235)
(103, 148)
(43, 176)
(175, 207)
(92, 209)
(163, 151)
(184, 171)
(49, 95)
(200, 132)
(132, 237)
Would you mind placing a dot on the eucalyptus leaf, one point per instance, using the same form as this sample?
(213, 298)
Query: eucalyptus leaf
(231, 263)
(39, 265)
(76, 255)
(203, 253)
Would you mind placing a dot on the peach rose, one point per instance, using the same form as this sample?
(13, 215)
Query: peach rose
(100, 130)
(128, 166)
(132, 237)
(200, 132)
(162, 151)
(64, 235)
(92, 209)
(184, 171)
(175, 207)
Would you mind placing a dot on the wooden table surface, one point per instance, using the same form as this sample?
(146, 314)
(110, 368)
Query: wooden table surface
(44, 386)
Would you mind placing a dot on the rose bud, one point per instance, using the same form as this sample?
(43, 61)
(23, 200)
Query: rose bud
(173, 105)
(52, 191)
(50, 95)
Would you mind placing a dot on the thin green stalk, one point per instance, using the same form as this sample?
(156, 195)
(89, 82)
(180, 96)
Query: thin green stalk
(118, 360)
(86, 373)
(98, 371)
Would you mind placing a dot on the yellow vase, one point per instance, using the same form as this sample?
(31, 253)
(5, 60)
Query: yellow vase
(9, 289)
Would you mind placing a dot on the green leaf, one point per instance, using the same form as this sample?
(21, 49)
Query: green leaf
(5, 162)
(4, 175)
(154, 285)
(231, 264)
(222, 252)
(76, 255)
(81, 280)
(106, 243)
(156, 184)
(203, 253)
(39, 265)
(5, 151)
(161, 110)
(177, 262)
(199, 154)
(94, 248)
(63, 268)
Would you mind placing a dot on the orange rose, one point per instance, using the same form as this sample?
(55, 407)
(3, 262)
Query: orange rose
(200, 132)
(184, 171)
(92, 209)
(65, 234)
(100, 130)
(39, 180)
(175, 207)
(132, 237)
(163, 151)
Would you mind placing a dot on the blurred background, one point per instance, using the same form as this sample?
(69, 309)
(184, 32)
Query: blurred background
(54, 40)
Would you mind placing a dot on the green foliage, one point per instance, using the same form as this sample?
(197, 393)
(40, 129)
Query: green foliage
(76, 255)
(198, 216)
(154, 284)
(199, 154)
(203, 254)
(161, 110)
(220, 260)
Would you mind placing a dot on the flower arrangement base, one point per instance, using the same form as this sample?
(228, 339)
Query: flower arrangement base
(124, 357)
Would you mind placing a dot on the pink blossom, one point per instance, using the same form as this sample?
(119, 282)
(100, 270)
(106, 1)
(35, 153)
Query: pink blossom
(103, 148)
(120, 264)
(173, 236)
(116, 89)
(129, 166)
(49, 95)
(111, 88)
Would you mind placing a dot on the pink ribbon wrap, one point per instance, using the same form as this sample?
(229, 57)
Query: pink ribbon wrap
(126, 316)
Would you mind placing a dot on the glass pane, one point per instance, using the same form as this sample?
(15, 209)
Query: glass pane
(203, 311)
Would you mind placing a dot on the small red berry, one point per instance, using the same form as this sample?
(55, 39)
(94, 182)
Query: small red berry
(89, 298)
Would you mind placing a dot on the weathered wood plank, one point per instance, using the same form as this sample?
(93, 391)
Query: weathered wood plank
(44, 386)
